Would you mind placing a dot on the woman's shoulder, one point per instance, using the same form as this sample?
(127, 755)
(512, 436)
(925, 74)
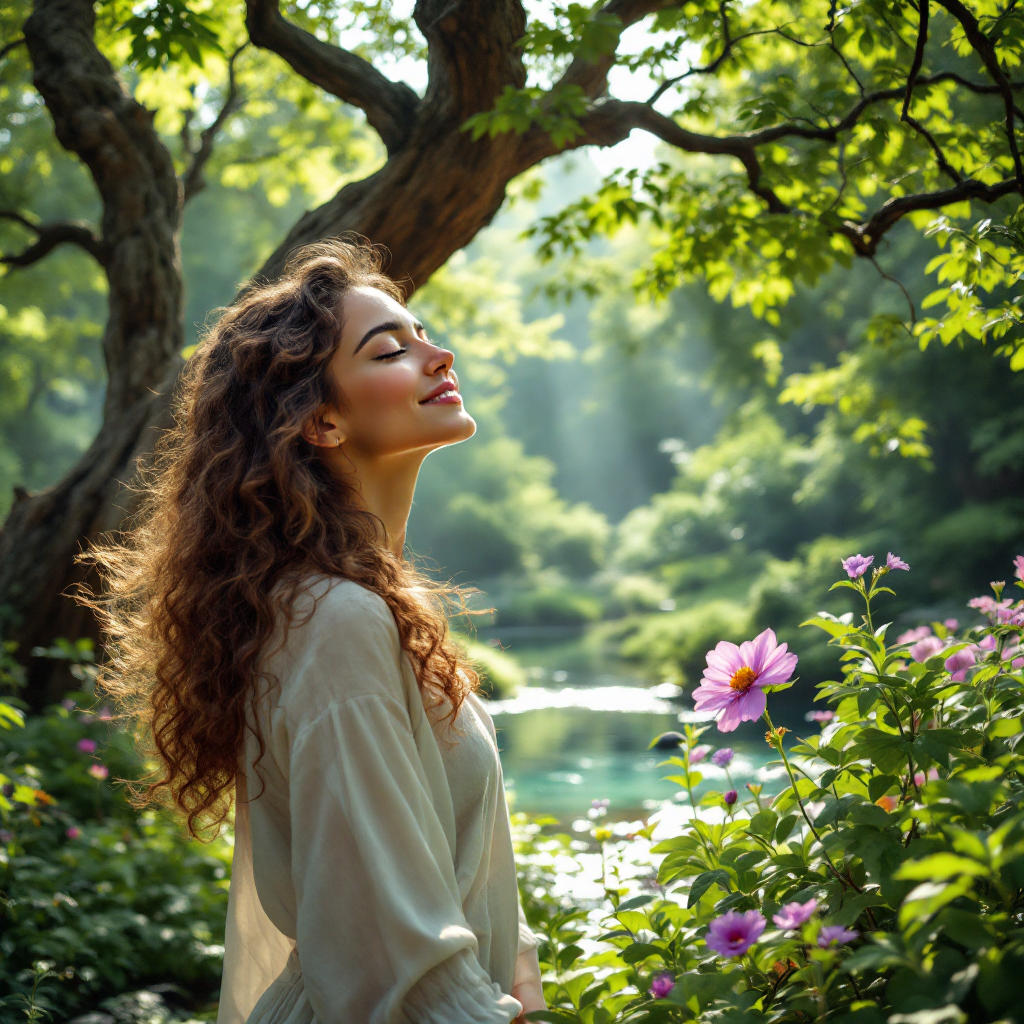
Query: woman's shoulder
(341, 642)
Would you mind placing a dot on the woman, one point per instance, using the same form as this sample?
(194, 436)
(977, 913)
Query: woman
(267, 630)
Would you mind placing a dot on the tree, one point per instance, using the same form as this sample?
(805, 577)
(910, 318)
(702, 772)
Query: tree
(831, 126)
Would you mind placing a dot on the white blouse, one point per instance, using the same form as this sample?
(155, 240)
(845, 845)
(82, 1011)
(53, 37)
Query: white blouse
(373, 879)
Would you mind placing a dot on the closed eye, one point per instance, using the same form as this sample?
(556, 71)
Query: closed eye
(390, 355)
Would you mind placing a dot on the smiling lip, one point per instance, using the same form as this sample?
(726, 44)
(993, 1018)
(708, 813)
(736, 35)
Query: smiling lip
(445, 394)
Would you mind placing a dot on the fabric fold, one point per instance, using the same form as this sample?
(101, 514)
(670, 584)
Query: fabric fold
(458, 991)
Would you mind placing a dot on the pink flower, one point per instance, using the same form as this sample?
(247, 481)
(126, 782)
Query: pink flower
(895, 562)
(920, 778)
(926, 648)
(99, 771)
(723, 758)
(820, 716)
(987, 643)
(792, 915)
(735, 678)
(105, 715)
(733, 933)
(73, 832)
(730, 797)
(662, 984)
(857, 565)
(1018, 567)
(959, 663)
(86, 746)
(911, 636)
(697, 754)
(68, 704)
(835, 934)
(951, 624)
(985, 604)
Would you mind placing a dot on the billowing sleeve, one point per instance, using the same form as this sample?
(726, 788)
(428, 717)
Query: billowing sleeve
(381, 935)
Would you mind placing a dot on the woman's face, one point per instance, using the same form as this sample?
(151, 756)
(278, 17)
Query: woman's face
(398, 393)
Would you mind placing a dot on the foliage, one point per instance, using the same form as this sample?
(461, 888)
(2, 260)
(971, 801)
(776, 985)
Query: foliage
(99, 897)
(892, 865)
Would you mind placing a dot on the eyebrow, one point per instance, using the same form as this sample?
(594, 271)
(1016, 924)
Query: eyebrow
(391, 325)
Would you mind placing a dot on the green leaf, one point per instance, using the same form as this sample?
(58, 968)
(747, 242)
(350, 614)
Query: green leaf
(763, 823)
(634, 903)
(638, 951)
(704, 881)
(940, 866)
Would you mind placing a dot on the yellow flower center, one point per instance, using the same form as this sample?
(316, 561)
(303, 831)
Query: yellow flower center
(744, 679)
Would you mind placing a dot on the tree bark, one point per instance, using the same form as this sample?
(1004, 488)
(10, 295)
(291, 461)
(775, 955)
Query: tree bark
(96, 118)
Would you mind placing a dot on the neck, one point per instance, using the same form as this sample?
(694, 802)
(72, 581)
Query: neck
(386, 488)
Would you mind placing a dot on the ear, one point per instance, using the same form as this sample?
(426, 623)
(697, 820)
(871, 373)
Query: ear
(323, 429)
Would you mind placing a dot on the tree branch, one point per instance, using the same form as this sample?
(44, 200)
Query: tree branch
(13, 45)
(986, 50)
(390, 107)
(592, 76)
(915, 67)
(49, 236)
(193, 180)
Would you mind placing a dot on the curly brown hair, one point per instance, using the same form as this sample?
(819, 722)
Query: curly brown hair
(237, 512)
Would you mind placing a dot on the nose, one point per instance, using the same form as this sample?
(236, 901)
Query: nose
(440, 359)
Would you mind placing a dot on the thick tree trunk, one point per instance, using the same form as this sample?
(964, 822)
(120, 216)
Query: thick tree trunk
(96, 118)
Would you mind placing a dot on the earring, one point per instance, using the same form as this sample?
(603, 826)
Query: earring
(337, 443)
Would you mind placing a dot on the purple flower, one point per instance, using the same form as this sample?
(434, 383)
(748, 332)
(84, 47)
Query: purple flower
(792, 915)
(733, 933)
(68, 704)
(730, 797)
(820, 716)
(86, 746)
(73, 832)
(735, 678)
(911, 636)
(1018, 567)
(987, 643)
(857, 565)
(959, 663)
(697, 754)
(99, 771)
(926, 648)
(951, 624)
(985, 604)
(835, 934)
(895, 562)
(723, 758)
(662, 984)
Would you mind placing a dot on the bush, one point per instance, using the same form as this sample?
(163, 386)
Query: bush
(500, 674)
(550, 606)
(104, 898)
(883, 883)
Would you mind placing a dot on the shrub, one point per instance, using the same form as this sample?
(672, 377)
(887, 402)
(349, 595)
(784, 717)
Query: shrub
(500, 674)
(103, 898)
(884, 882)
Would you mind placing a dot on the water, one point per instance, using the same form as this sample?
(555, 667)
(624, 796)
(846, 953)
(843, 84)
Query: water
(576, 736)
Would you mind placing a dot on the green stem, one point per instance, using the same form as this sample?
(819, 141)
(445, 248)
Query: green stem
(796, 793)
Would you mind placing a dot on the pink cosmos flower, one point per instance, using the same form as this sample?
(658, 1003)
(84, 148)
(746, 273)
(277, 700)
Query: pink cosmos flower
(699, 753)
(792, 915)
(730, 797)
(895, 562)
(835, 934)
(920, 778)
(662, 984)
(857, 565)
(733, 933)
(959, 663)
(911, 636)
(99, 771)
(926, 648)
(735, 678)
(73, 832)
(1018, 567)
(723, 758)
(820, 716)
(86, 746)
